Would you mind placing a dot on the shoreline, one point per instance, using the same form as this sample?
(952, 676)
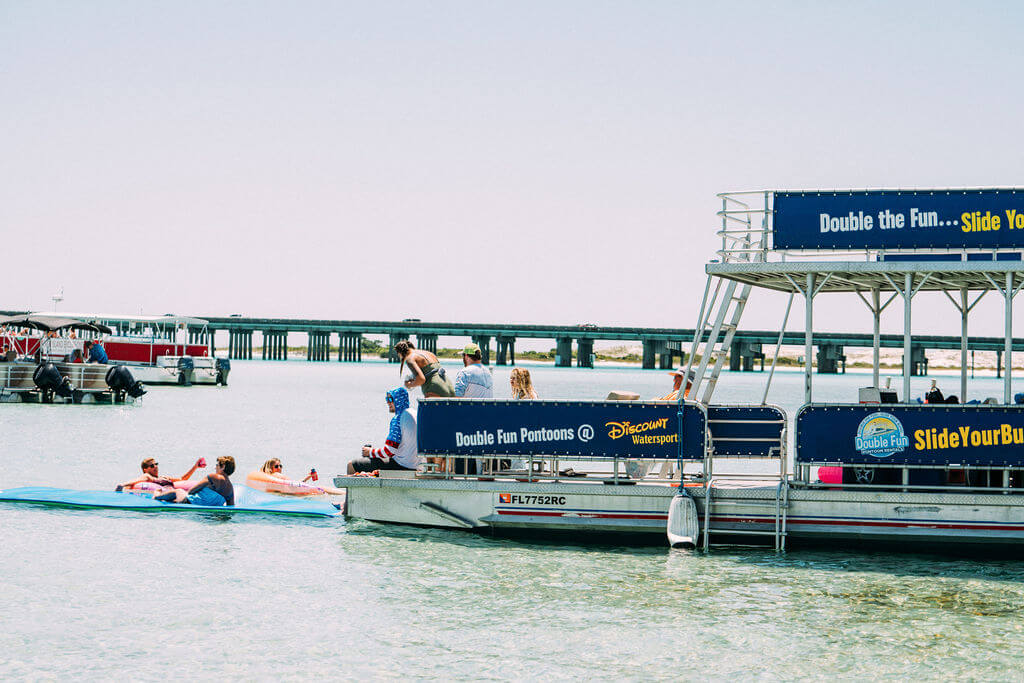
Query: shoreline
(859, 368)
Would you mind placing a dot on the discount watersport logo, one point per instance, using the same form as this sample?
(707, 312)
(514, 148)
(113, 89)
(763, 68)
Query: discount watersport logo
(880, 435)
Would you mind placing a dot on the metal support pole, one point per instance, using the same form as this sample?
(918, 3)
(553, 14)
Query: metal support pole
(808, 335)
(876, 340)
(908, 363)
(1008, 352)
(963, 344)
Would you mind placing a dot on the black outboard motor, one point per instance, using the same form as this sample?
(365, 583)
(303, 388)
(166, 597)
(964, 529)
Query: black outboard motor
(186, 368)
(223, 366)
(121, 382)
(49, 381)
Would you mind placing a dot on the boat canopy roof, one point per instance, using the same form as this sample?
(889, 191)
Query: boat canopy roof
(52, 323)
(144, 319)
(864, 276)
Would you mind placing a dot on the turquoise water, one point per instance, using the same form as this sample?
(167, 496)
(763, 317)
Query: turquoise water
(97, 595)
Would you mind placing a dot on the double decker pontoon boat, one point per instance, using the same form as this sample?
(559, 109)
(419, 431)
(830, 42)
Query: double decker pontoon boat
(917, 476)
(34, 367)
(158, 349)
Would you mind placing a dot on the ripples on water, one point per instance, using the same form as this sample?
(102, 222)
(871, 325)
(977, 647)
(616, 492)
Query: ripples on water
(99, 595)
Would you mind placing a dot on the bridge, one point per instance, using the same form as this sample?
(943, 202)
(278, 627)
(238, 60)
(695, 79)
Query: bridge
(661, 346)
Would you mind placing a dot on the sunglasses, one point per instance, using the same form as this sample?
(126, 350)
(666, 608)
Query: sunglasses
(278, 467)
(153, 465)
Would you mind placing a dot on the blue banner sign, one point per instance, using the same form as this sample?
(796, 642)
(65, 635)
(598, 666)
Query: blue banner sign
(911, 435)
(899, 219)
(585, 429)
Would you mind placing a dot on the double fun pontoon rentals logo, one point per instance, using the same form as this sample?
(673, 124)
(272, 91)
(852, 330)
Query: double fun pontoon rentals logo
(880, 435)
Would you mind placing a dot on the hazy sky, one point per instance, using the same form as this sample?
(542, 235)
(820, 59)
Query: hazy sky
(470, 161)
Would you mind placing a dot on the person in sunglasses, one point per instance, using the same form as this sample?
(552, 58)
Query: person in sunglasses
(399, 451)
(275, 470)
(151, 474)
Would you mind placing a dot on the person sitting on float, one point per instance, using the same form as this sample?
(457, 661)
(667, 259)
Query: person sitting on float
(677, 384)
(214, 490)
(151, 475)
(399, 451)
(275, 470)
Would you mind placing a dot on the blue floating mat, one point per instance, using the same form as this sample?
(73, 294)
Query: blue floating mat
(247, 500)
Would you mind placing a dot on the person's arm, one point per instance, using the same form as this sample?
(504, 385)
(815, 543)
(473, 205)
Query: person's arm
(461, 382)
(417, 375)
(202, 484)
(190, 472)
(133, 482)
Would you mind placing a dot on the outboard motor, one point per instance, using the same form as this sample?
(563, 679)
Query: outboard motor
(186, 368)
(49, 381)
(121, 382)
(223, 366)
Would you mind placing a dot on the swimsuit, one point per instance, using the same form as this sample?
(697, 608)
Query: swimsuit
(207, 496)
(436, 381)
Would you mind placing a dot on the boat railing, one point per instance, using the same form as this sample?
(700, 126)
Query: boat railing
(952, 448)
(618, 441)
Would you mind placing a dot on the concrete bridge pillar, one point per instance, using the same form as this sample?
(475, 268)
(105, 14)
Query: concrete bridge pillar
(563, 352)
(210, 339)
(280, 345)
(484, 342)
(506, 350)
(667, 354)
(318, 348)
(742, 355)
(427, 342)
(393, 339)
(584, 353)
(652, 348)
(350, 347)
(830, 359)
(918, 361)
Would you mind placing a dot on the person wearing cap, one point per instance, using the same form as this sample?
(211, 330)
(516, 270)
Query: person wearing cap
(474, 380)
(677, 384)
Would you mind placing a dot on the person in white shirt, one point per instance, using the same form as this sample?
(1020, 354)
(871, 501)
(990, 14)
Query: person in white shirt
(474, 380)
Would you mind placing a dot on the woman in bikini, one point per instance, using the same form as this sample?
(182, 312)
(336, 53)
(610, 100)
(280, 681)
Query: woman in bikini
(426, 371)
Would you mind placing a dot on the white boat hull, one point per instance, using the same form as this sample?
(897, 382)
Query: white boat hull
(921, 521)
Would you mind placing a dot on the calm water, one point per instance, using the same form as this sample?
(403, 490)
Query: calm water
(97, 595)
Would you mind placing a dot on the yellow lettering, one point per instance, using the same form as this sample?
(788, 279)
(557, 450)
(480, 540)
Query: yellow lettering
(1006, 433)
(965, 222)
(919, 439)
(954, 440)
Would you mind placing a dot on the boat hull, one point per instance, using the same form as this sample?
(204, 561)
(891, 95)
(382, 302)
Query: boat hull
(917, 521)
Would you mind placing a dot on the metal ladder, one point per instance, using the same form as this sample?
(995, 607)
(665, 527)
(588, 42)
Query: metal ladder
(712, 340)
(781, 507)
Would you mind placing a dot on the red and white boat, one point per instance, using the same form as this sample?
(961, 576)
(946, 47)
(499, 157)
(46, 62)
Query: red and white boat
(155, 348)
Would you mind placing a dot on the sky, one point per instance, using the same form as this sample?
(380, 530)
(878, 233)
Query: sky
(548, 162)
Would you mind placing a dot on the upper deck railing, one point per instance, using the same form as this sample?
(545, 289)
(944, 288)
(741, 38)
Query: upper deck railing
(869, 225)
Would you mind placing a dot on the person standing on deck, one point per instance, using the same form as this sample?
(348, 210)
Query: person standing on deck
(474, 380)
(426, 371)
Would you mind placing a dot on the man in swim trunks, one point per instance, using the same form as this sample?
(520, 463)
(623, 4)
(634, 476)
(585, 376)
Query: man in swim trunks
(214, 490)
(151, 473)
